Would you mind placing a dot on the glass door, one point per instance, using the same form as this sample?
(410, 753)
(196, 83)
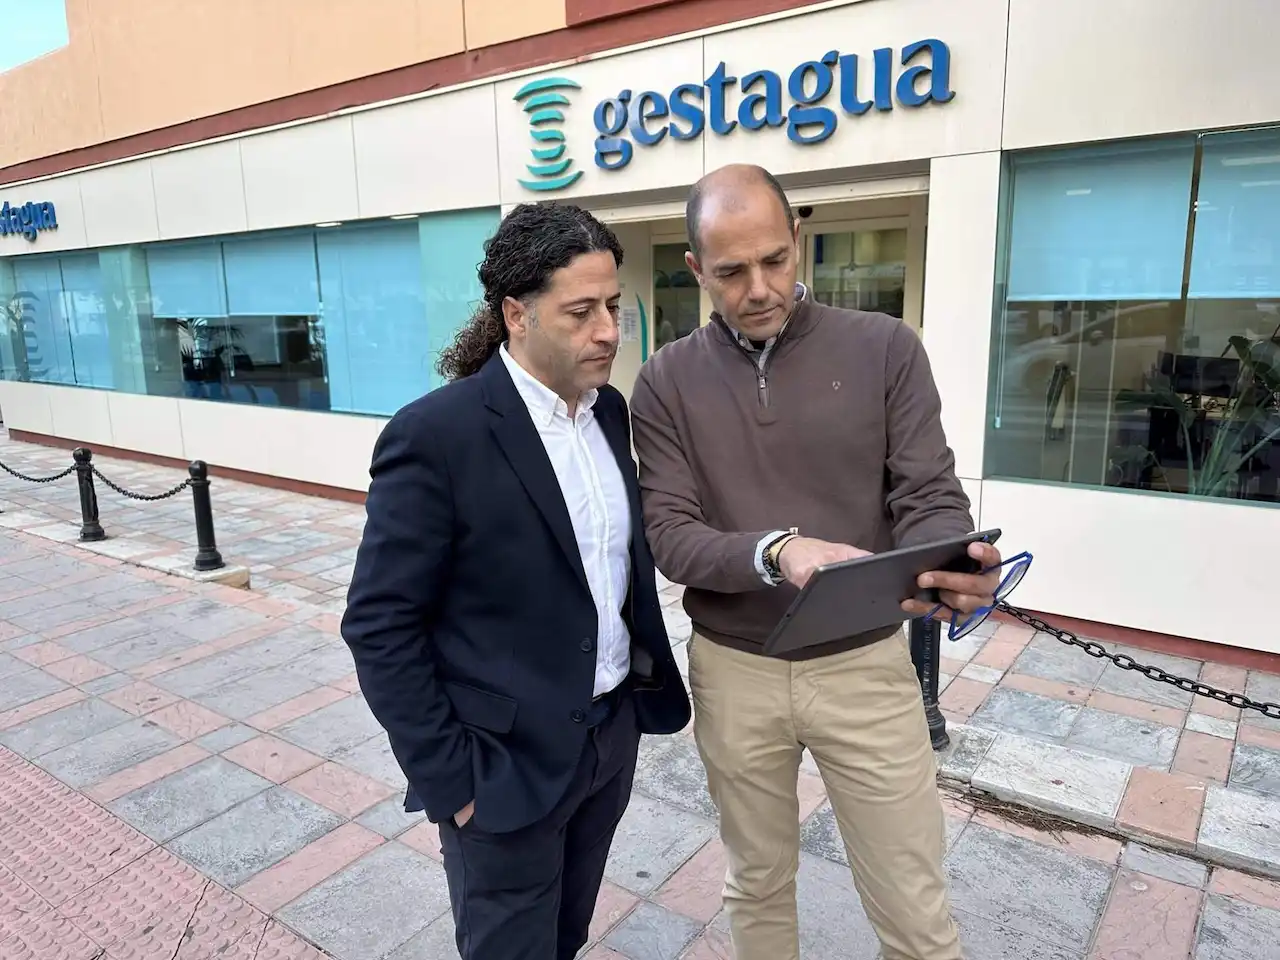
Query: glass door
(858, 265)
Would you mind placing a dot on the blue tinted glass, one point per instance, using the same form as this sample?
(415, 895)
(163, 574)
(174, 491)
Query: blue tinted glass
(186, 280)
(1100, 223)
(452, 247)
(86, 315)
(1236, 253)
(375, 322)
(43, 325)
(271, 275)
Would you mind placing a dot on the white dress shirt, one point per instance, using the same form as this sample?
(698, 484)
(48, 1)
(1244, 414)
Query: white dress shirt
(596, 496)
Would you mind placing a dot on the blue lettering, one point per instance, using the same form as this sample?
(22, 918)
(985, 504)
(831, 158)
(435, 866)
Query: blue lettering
(648, 106)
(625, 122)
(717, 84)
(804, 114)
(691, 113)
(771, 98)
(939, 75)
(884, 78)
(612, 152)
(27, 219)
(849, 101)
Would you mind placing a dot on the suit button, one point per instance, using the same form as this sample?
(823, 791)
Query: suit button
(577, 716)
(586, 645)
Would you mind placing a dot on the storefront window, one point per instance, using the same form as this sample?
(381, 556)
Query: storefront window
(349, 318)
(1137, 343)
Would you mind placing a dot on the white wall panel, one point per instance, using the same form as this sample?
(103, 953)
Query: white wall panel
(119, 204)
(25, 406)
(200, 191)
(82, 414)
(324, 448)
(1103, 69)
(300, 175)
(438, 153)
(1188, 567)
(959, 277)
(148, 424)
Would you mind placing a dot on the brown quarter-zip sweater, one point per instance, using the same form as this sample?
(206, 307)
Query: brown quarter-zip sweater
(837, 433)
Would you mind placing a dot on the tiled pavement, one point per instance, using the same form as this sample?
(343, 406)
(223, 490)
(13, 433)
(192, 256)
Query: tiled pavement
(296, 548)
(214, 744)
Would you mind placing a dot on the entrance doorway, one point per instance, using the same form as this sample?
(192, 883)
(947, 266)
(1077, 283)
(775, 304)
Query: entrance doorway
(857, 265)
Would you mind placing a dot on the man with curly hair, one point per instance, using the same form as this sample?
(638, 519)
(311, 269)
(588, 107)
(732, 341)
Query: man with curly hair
(503, 613)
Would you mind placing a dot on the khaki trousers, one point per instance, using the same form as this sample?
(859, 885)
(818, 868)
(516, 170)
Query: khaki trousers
(861, 715)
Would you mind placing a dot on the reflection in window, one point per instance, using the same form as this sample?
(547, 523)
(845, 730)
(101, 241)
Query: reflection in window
(861, 270)
(347, 319)
(1138, 344)
(677, 310)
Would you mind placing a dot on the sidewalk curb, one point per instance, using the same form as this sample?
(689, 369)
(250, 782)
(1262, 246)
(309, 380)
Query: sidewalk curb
(125, 550)
(1232, 828)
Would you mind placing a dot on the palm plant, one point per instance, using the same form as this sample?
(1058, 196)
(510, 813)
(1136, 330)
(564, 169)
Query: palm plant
(1253, 404)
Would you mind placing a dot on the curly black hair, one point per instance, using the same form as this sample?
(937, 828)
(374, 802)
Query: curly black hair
(531, 243)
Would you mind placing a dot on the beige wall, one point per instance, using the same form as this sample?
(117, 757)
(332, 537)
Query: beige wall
(137, 65)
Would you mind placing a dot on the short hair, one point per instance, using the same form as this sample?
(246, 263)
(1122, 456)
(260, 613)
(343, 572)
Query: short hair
(697, 196)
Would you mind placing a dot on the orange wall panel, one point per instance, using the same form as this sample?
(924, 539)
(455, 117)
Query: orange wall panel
(138, 65)
(497, 21)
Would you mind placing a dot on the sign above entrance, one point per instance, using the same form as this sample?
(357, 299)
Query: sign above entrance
(27, 220)
(808, 105)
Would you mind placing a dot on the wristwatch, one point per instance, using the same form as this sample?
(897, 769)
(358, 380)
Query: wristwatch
(771, 552)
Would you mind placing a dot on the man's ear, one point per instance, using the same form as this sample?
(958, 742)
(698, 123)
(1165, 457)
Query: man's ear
(691, 262)
(516, 317)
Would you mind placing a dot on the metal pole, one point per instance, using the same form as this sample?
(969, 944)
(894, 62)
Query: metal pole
(926, 648)
(207, 555)
(90, 529)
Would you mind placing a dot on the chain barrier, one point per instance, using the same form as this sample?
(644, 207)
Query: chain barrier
(207, 558)
(22, 476)
(1151, 672)
(148, 498)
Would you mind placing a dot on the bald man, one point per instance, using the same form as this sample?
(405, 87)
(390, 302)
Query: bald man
(783, 414)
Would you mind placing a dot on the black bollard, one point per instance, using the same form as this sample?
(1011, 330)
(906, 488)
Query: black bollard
(926, 648)
(207, 555)
(90, 529)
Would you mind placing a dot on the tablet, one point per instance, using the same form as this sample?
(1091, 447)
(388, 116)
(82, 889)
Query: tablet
(843, 600)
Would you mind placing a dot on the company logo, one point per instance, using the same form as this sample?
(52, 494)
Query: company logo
(542, 102)
(646, 119)
(808, 105)
(27, 220)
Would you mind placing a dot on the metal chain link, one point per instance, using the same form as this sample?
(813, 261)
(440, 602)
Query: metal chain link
(1126, 662)
(141, 496)
(22, 476)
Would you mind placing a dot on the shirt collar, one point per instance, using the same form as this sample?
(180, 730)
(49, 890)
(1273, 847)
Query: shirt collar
(802, 293)
(543, 402)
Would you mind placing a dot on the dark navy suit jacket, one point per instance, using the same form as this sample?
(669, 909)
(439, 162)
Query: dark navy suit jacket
(469, 616)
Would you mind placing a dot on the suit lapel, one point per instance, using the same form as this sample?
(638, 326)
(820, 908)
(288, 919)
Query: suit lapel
(518, 438)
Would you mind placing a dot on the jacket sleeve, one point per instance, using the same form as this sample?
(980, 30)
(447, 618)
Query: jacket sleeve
(687, 549)
(925, 499)
(401, 568)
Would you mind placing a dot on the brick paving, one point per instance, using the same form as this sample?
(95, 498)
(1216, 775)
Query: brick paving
(211, 748)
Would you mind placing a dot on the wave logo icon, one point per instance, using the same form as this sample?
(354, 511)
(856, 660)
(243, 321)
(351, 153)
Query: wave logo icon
(543, 100)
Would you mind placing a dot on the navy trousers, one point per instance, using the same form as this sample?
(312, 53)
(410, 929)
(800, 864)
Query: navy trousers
(530, 894)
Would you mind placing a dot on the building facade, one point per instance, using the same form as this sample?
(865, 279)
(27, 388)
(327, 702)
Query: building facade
(1077, 206)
